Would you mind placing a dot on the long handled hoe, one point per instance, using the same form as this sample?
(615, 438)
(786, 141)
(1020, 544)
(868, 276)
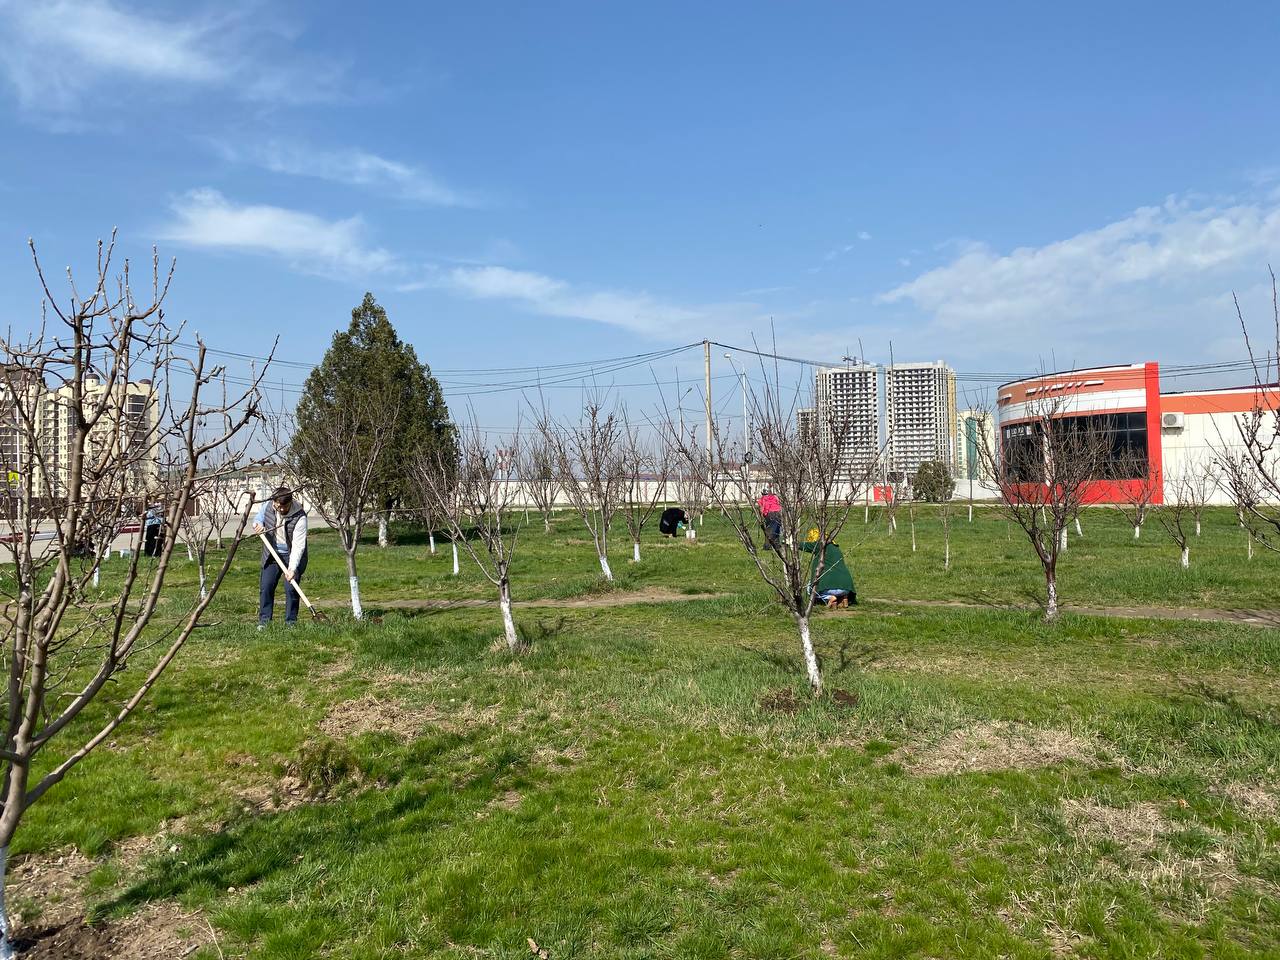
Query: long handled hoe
(315, 614)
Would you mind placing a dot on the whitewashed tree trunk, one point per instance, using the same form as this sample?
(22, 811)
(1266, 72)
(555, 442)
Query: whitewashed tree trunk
(357, 610)
(913, 536)
(1186, 558)
(810, 657)
(1137, 531)
(546, 524)
(97, 570)
(508, 622)
(636, 552)
(382, 529)
(1079, 532)
(1062, 541)
(971, 513)
(204, 589)
(1197, 526)
(946, 555)
(893, 524)
(866, 513)
(190, 556)
(1249, 541)
(454, 544)
(604, 568)
(6, 941)
(431, 541)
(1051, 606)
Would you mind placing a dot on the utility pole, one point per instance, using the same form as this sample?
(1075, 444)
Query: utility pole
(706, 354)
(746, 429)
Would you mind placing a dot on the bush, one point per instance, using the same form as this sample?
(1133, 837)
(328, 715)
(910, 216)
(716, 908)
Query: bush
(933, 482)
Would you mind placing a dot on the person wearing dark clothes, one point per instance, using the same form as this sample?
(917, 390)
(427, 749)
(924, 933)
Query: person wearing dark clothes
(672, 520)
(834, 586)
(153, 532)
(285, 523)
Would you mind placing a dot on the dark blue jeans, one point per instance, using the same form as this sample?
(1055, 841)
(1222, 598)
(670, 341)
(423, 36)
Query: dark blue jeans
(267, 582)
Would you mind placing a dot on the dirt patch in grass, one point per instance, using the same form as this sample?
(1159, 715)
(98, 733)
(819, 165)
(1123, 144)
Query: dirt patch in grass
(1143, 834)
(986, 747)
(1136, 828)
(285, 794)
(782, 700)
(1253, 799)
(845, 699)
(48, 898)
(375, 714)
(156, 932)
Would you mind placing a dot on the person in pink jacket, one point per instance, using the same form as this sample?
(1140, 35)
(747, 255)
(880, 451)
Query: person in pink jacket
(771, 514)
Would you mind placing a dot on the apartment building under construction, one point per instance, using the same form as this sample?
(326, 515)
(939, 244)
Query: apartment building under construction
(894, 418)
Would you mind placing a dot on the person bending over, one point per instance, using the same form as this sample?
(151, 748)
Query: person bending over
(285, 524)
(834, 586)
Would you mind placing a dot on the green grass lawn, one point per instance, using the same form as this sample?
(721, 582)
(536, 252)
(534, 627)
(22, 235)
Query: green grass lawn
(654, 781)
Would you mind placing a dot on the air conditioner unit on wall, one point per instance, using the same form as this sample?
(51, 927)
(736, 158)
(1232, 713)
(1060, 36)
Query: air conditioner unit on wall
(1171, 421)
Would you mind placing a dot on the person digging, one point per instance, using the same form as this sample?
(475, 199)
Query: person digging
(284, 522)
(834, 587)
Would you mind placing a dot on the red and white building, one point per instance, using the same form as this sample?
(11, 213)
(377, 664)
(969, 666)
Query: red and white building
(1172, 433)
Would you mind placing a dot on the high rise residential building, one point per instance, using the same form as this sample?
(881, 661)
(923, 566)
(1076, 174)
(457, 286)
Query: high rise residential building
(849, 413)
(135, 439)
(806, 418)
(898, 416)
(920, 415)
(20, 392)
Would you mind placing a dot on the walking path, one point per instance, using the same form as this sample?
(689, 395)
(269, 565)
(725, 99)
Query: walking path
(657, 595)
(1255, 618)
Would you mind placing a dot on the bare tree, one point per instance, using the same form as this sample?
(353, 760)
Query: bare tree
(645, 467)
(216, 503)
(1137, 488)
(540, 475)
(1177, 509)
(817, 481)
(589, 462)
(334, 453)
(99, 403)
(1043, 469)
(476, 496)
(1251, 466)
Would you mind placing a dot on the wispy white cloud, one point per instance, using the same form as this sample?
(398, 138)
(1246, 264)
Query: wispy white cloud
(206, 219)
(637, 312)
(1141, 270)
(357, 168)
(56, 51)
(863, 235)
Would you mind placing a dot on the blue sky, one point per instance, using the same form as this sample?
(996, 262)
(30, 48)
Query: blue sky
(996, 185)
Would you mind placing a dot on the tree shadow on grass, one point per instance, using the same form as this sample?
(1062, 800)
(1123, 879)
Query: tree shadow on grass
(257, 848)
(1226, 699)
